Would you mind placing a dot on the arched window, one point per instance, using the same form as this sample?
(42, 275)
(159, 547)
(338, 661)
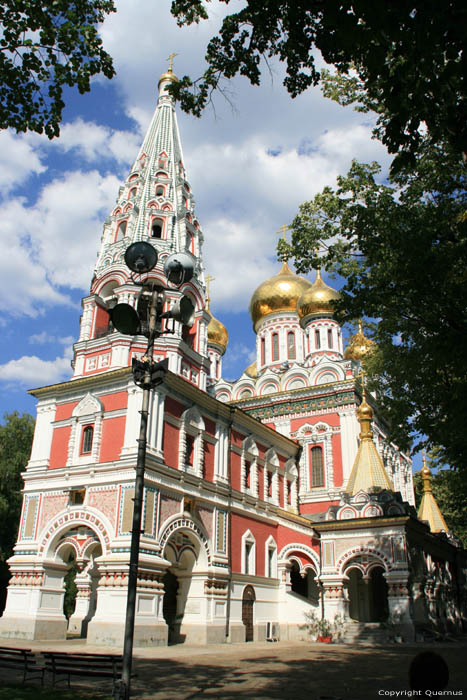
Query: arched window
(88, 434)
(157, 228)
(132, 193)
(160, 191)
(291, 345)
(275, 347)
(263, 351)
(317, 467)
(121, 230)
(329, 338)
(317, 340)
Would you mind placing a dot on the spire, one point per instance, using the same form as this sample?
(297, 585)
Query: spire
(155, 203)
(368, 470)
(429, 509)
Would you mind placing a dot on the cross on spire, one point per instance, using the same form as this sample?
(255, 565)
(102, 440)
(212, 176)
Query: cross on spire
(362, 375)
(283, 230)
(209, 279)
(170, 59)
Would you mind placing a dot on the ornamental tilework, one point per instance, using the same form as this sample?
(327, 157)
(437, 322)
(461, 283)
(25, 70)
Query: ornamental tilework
(104, 500)
(52, 504)
(205, 516)
(169, 506)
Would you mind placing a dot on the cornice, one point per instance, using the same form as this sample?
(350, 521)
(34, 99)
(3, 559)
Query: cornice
(359, 523)
(94, 379)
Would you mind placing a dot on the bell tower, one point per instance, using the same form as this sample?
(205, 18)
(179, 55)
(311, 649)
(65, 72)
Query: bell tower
(154, 204)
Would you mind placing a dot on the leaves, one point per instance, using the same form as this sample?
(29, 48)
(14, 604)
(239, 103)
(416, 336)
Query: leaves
(45, 47)
(15, 447)
(408, 57)
(402, 249)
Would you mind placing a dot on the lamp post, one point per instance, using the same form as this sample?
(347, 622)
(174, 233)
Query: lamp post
(141, 258)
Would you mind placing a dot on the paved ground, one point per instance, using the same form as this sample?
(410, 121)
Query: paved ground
(285, 670)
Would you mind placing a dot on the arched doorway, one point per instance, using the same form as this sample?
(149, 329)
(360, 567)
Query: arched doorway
(169, 605)
(184, 604)
(304, 583)
(368, 595)
(248, 602)
(77, 548)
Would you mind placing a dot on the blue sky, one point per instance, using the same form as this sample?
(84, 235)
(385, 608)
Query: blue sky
(250, 162)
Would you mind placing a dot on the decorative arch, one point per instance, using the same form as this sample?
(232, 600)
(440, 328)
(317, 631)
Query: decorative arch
(284, 557)
(74, 518)
(185, 523)
(363, 550)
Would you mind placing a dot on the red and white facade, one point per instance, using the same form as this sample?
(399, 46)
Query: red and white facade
(246, 523)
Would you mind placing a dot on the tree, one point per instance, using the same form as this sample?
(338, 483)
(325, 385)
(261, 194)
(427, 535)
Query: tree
(401, 248)
(44, 47)
(409, 56)
(15, 447)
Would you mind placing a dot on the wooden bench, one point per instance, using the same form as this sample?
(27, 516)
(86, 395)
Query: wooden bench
(22, 660)
(95, 665)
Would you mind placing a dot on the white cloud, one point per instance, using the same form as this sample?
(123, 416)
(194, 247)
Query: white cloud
(18, 160)
(44, 337)
(93, 141)
(30, 370)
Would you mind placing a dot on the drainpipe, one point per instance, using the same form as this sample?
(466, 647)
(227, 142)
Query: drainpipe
(320, 571)
(229, 524)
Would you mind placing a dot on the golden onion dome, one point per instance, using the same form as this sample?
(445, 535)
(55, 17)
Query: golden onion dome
(169, 75)
(359, 345)
(217, 333)
(318, 299)
(252, 370)
(278, 293)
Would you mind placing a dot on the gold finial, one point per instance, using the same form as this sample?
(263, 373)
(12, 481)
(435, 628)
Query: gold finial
(170, 59)
(209, 279)
(282, 231)
(362, 375)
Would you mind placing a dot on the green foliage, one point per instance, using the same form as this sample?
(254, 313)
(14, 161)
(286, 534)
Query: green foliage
(45, 46)
(409, 57)
(402, 249)
(15, 447)
(71, 589)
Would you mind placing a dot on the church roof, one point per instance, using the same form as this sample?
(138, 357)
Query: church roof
(429, 509)
(278, 293)
(368, 470)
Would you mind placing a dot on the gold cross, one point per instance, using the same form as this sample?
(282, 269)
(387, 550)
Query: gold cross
(170, 59)
(283, 230)
(361, 374)
(209, 279)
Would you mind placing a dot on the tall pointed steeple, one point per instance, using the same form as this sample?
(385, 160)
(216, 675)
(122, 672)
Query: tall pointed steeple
(429, 509)
(154, 204)
(368, 470)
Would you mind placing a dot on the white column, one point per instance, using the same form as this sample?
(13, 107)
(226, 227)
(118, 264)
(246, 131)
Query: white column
(42, 435)
(156, 423)
(132, 424)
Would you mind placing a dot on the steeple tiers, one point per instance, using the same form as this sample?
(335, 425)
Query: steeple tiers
(154, 204)
(368, 470)
(429, 509)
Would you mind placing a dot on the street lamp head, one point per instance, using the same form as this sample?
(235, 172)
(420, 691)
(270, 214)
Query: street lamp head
(141, 257)
(125, 319)
(179, 268)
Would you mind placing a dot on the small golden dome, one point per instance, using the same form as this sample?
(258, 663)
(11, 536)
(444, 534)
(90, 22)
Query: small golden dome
(364, 411)
(217, 333)
(359, 345)
(318, 299)
(252, 370)
(278, 293)
(169, 75)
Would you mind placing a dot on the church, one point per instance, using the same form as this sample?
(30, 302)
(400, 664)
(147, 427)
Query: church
(270, 502)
